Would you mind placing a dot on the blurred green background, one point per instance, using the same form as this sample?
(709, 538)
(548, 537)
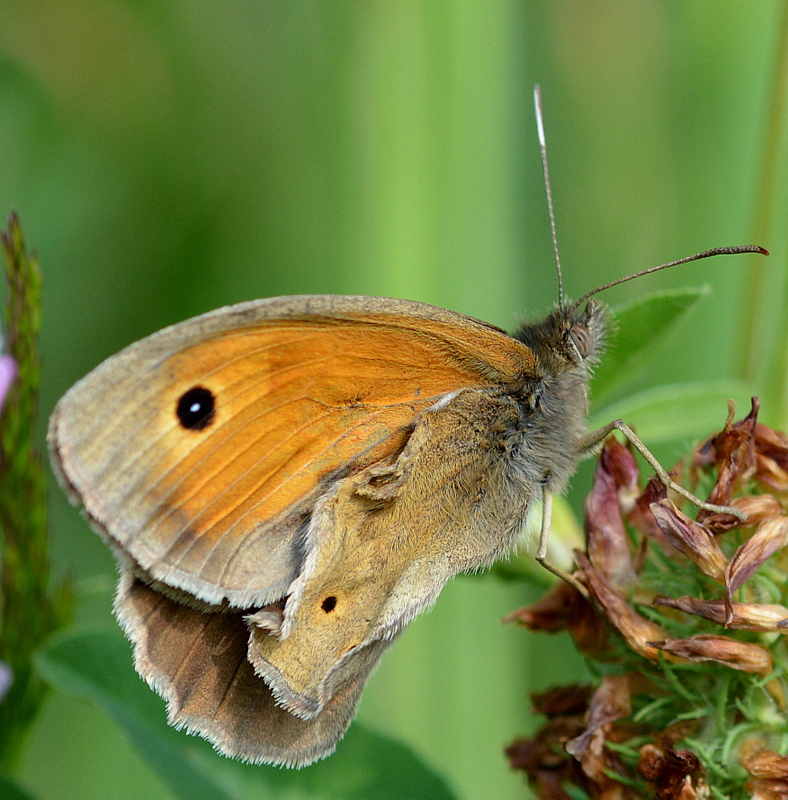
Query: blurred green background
(167, 157)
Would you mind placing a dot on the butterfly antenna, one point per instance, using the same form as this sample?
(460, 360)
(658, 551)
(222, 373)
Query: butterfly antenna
(543, 148)
(717, 251)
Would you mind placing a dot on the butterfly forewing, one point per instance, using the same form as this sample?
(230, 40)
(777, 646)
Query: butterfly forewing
(305, 390)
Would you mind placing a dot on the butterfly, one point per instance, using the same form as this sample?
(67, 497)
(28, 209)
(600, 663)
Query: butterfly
(287, 482)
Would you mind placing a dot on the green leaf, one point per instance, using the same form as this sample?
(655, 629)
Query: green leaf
(678, 411)
(97, 664)
(12, 791)
(638, 325)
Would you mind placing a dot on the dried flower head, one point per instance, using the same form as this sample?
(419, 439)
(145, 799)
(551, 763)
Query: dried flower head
(688, 613)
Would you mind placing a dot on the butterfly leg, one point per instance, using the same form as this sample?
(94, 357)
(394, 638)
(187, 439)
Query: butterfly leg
(589, 445)
(544, 535)
(592, 440)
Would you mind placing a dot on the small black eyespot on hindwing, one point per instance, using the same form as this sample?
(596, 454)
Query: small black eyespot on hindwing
(329, 604)
(196, 408)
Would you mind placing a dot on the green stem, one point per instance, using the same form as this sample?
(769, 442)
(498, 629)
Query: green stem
(29, 610)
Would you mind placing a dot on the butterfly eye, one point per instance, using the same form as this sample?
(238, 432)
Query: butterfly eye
(581, 338)
(196, 408)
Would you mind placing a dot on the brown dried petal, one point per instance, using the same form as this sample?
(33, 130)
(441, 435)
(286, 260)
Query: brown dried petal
(621, 465)
(650, 763)
(610, 702)
(772, 444)
(637, 631)
(563, 608)
(551, 613)
(769, 537)
(769, 771)
(745, 616)
(757, 507)
(761, 762)
(607, 544)
(524, 755)
(767, 790)
(709, 647)
(570, 700)
(640, 515)
(549, 786)
(675, 773)
(772, 458)
(734, 455)
(545, 761)
(771, 475)
(690, 538)
(530, 755)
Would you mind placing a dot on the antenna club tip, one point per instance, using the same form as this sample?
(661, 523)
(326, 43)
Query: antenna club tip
(747, 248)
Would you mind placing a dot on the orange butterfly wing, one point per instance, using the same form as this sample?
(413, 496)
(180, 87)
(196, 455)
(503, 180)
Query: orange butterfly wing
(307, 389)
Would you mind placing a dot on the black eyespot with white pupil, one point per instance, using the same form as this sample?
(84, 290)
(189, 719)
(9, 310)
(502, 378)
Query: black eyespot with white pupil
(196, 408)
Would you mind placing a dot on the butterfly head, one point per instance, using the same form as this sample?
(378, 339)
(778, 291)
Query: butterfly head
(565, 345)
(570, 338)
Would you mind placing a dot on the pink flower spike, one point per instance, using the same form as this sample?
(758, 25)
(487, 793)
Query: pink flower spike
(6, 679)
(8, 373)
